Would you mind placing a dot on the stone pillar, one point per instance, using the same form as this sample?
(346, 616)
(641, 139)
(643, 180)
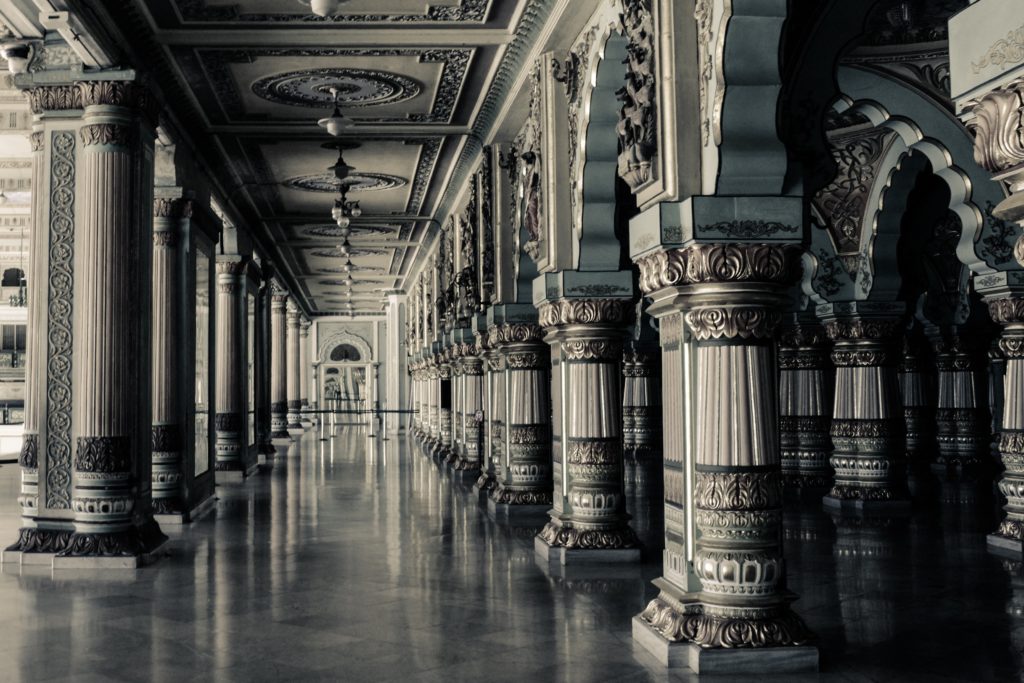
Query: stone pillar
(867, 425)
(492, 404)
(918, 408)
(805, 404)
(431, 394)
(305, 368)
(469, 462)
(169, 354)
(524, 484)
(589, 520)
(232, 398)
(443, 447)
(1009, 313)
(111, 354)
(396, 395)
(278, 371)
(729, 297)
(46, 454)
(454, 356)
(996, 378)
(641, 424)
(961, 417)
(265, 446)
(292, 370)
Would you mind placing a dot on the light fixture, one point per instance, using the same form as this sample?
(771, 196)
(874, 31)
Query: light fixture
(325, 8)
(18, 55)
(345, 248)
(336, 122)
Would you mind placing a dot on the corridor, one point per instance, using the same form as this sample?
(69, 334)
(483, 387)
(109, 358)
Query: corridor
(357, 559)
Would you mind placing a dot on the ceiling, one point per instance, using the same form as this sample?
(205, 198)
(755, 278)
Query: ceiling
(247, 80)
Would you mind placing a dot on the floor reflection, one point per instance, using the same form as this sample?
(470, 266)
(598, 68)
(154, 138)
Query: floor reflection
(356, 559)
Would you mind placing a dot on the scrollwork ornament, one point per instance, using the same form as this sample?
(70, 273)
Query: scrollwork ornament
(107, 134)
(564, 536)
(997, 122)
(738, 490)
(586, 312)
(720, 262)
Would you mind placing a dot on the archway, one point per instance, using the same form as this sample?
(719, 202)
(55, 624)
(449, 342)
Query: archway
(347, 379)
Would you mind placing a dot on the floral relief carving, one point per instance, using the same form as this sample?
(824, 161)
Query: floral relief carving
(997, 122)
(106, 134)
(60, 285)
(731, 322)
(720, 262)
(586, 312)
(638, 123)
(1003, 52)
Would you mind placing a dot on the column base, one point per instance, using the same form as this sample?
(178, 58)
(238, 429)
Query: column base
(866, 507)
(130, 549)
(181, 518)
(485, 483)
(236, 476)
(578, 556)
(748, 660)
(36, 546)
(1009, 548)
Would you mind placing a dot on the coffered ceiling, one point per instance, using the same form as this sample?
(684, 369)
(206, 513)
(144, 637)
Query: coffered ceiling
(247, 80)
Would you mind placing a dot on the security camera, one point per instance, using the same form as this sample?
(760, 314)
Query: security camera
(17, 55)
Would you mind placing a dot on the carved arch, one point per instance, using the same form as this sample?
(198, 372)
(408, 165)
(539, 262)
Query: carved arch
(344, 337)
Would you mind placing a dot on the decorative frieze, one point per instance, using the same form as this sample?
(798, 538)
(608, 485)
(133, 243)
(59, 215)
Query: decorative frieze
(586, 312)
(720, 262)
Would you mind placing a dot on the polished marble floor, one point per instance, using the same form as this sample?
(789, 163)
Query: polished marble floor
(354, 559)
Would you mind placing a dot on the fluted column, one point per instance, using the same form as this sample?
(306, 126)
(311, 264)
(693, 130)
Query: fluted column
(492, 404)
(996, 377)
(728, 296)
(443, 448)
(231, 399)
(918, 407)
(805, 404)
(469, 460)
(453, 452)
(304, 371)
(641, 422)
(292, 368)
(961, 417)
(278, 370)
(1009, 313)
(265, 445)
(431, 394)
(168, 355)
(869, 457)
(524, 482)
(110, 359)
(589, 514)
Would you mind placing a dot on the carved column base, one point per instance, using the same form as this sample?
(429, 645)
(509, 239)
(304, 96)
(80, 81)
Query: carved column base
(293, 416)
(674, 621)
(279, 421)
(558, 534)
(38, 540)
(168, 476)
(130, 543)
(228, 442)
(485, 483)
(869, 470)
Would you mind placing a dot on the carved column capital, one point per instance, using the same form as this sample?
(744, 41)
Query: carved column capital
(616, 312)
(174, 208)
(514, 333)
(719, 263)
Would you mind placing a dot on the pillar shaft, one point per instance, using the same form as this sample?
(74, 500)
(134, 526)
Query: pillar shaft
(805, 404)
(263, 362)
(292, 368)
(641, 420)
(304, 368)
(961, 417)
(586, 336)
(168, 356)
(111, 409)
(525, 477)
(729, 296)
(869, 457)
(918, 406)
(1009, 312)
(278, 368)
(232, 398)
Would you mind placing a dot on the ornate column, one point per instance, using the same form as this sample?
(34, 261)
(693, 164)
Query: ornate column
(805, 403)
(168, 356)
(641, 433)
(292, 370)
(454, 354)
(304, 371)
(961, 418)
(469, 462)
(523, 491)
(265, 445)
(46, 453)
(443, 447)
(110, 359)
(728, 477)
(492, 404)
(278, 371)
(1009, 313)
(431, 394)
(918, 410)
(996, 377)
(867, 424)
(231, 402)
(589, 520)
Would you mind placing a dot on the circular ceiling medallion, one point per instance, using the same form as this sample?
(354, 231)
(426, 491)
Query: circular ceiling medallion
(330, 230)
(355, 87)
(356, 182)
(353, 251)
